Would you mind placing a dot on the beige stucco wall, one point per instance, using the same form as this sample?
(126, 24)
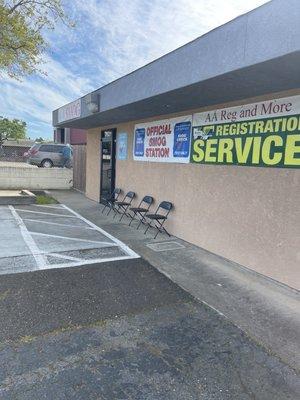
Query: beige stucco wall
(93, 164)
(247, 214)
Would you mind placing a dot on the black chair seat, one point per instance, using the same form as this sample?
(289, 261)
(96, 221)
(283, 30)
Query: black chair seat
(122, 203)
(156, 216)
(139, 209)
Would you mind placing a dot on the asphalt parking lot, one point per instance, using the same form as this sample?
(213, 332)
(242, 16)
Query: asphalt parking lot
(113, 327)
(39, 237)
(121, 330)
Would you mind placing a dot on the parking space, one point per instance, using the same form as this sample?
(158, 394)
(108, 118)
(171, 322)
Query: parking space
(121, 323)
(38, 237)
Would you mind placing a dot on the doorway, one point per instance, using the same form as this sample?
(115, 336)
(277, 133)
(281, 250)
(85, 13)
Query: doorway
(108, 163)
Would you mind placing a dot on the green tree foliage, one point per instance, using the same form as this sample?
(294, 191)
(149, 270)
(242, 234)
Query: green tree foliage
(21, 33)
(13, 129)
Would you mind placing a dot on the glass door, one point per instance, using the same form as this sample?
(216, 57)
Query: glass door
(108, 163)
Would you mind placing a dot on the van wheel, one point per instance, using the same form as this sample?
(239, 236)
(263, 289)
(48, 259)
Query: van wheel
(47, 164)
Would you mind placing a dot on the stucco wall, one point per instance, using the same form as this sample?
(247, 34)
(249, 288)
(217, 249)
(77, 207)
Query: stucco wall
(246, 214)
(93, 164)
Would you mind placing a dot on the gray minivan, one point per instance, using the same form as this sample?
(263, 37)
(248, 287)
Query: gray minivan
(46, 155)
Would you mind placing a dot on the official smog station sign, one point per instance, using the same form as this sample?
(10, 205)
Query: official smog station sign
(263, 134)
(70, 111)
(163, 141)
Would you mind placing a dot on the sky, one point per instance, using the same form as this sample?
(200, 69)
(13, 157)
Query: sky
(111, 39)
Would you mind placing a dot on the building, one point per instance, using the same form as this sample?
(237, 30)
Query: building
(13, 150)
(76, 138)
(71, 136)
(214, 127)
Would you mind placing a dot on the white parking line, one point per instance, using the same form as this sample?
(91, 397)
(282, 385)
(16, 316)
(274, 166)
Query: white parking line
(56, 207)
(45, 213)
(63, 256)
(56, 223)
(108, 244)
(122, 245)
(88, 262)
(119, 251)
(40, 260)
(46, 253)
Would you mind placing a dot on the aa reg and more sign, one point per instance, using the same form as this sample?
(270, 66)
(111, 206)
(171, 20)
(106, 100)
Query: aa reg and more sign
(263, 134)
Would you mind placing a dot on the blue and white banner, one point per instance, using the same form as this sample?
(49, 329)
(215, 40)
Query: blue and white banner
(166, 140)
(122, 140)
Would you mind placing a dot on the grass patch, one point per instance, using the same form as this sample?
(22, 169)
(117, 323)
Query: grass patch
(3, 295)
(44, 199)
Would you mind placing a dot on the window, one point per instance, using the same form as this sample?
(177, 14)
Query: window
(62, 135)
(50, 148)
(46, 148)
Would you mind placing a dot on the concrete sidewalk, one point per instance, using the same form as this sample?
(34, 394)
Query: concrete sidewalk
(267, 311)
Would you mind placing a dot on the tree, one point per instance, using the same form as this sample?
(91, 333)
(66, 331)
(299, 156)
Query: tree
(21, 33)
(14, 129)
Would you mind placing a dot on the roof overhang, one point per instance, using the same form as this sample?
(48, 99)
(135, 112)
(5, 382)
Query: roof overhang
(249, 82)
(254, 54)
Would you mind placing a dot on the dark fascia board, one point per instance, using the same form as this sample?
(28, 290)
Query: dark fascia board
(265, 78)
(267, 32)
(171, 52)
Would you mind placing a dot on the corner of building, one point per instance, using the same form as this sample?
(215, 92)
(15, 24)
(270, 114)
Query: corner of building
(93, 164)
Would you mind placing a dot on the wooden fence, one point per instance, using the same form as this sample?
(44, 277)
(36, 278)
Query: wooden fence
(79, 167)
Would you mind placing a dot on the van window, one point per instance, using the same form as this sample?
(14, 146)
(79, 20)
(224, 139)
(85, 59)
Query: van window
(47, 148)
(50, 148)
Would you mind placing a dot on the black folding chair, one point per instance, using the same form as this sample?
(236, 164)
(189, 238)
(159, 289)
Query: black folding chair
(141, 209)
(111, 200)
(159, 218)
(121, 207)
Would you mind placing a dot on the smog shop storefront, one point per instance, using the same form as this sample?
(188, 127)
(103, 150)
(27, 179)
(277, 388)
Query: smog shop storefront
(260, 134)
(220, 140)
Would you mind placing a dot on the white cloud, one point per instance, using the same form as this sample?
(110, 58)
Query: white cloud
(34, 98)
(111, 39)
(124, 35)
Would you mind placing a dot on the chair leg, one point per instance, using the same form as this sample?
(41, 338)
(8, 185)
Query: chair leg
(103, 209)
(148, 226)
(124, 213)
(141, 220)
(167, 232)
(139, 224)
(110, 208)
(161, 228)
(157, 225)
(132, 218)
(116, 210)
(157, 232)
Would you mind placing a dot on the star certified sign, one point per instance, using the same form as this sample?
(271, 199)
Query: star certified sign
(70, 111)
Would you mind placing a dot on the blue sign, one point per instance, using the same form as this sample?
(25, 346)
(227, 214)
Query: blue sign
(122, 146)
(182, 134)
(139, 142)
